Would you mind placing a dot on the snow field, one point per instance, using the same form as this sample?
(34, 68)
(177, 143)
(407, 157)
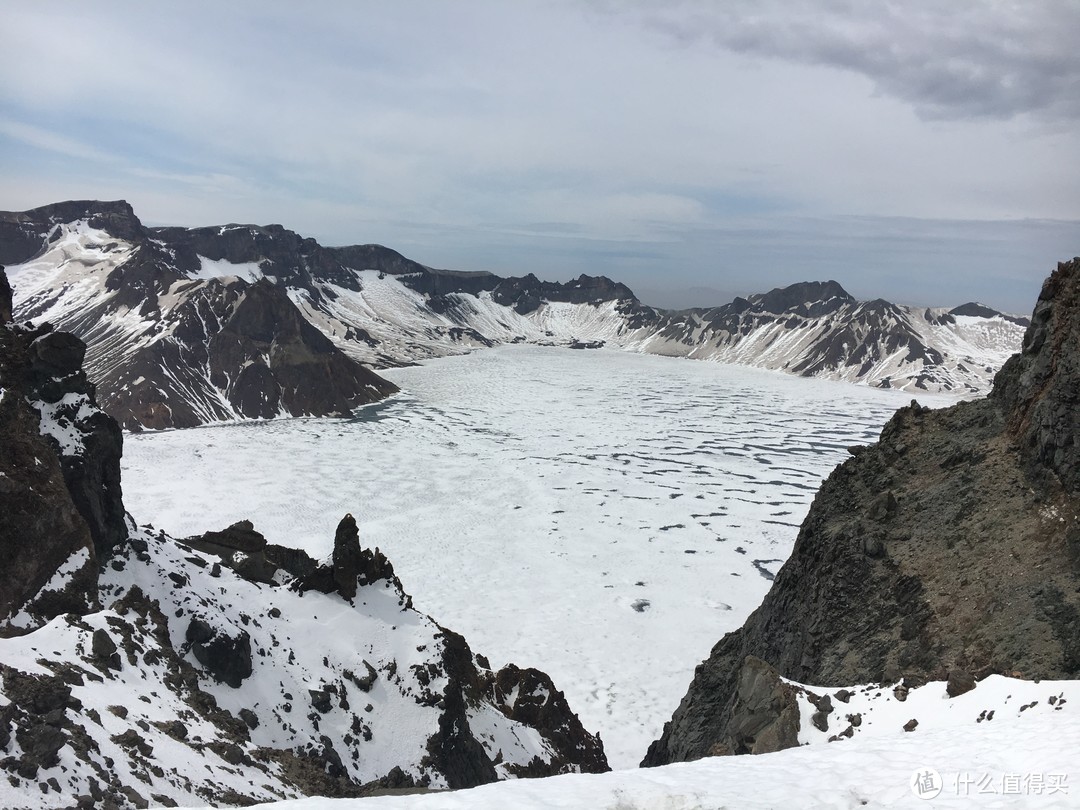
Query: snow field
(600, 515)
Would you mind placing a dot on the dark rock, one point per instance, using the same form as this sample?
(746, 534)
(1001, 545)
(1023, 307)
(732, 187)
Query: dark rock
(456, 753)
(1037, 388)
(321, 700)
(365, 682)
(352, 566)
(41, 745)
(5, 298)
(231, 753)
(347, 560)
(227, 658)
(911, 725)
(133, 740)
(59, 354)
(102, 646)
(250, 718)
(764, 713)
(57, 506)
(960, 682)
(240, 536)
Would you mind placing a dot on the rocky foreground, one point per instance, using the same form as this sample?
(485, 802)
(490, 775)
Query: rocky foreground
(949, 551)
(139, 668)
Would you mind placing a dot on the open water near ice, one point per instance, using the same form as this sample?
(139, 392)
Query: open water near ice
(600, 515)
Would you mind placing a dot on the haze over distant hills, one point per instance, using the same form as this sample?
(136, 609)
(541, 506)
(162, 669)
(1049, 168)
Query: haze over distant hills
(189, 326)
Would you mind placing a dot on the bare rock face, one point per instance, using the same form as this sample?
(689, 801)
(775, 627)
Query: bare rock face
(1038, 387)
(268, 359)
(58, 510)
(41, 531)
(950, 546)
(5, 299)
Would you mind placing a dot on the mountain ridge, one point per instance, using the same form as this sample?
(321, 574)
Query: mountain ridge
(150, 301)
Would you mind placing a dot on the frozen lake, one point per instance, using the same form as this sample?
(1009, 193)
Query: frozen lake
(600, 515)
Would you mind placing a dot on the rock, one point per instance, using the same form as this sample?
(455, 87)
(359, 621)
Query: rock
(133, 740)
(911, 725)
(103, 650)
(44, 528)
(240, 536)
(59, 354)
(321, 700)
(102, 645)
(250, 718)
(227, 658)
(352, 567)
(41, 745)
(960, 682)
(231, 753)
(1037, 388)
(347, 560)
(5, 298)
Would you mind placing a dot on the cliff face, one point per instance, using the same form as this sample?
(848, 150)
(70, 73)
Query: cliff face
(59, 476)
(951, 548)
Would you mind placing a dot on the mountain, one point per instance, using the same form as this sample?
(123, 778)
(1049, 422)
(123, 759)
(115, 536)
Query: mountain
(949, 551)
(188, 326)
(171, 343)
(136, 667)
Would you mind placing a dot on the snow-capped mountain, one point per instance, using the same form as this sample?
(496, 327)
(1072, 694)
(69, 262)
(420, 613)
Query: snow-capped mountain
(187, 326)
(175, 340)
(139, 668)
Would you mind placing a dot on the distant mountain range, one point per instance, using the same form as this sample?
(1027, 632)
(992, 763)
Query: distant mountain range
(190, 326)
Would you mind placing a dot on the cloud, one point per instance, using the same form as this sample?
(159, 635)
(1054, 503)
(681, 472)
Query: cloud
(960, 59)
(48, 141)
(542, 136)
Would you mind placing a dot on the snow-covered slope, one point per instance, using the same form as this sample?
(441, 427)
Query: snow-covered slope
(326, 693)
(153, 303)
(1008, 744)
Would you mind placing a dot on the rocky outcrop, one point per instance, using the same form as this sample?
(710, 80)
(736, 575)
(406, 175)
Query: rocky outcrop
(5, 298)
(949, 550)
(59, 478)
(42, 532)
(1039, 388)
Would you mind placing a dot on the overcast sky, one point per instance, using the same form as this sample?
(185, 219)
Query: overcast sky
(926, 152)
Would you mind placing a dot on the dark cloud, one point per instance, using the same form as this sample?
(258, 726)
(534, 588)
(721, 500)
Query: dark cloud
(950, 60)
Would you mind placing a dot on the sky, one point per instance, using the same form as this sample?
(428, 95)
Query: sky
(920, 151)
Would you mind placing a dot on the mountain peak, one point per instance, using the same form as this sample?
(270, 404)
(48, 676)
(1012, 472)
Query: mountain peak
(784, 299)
